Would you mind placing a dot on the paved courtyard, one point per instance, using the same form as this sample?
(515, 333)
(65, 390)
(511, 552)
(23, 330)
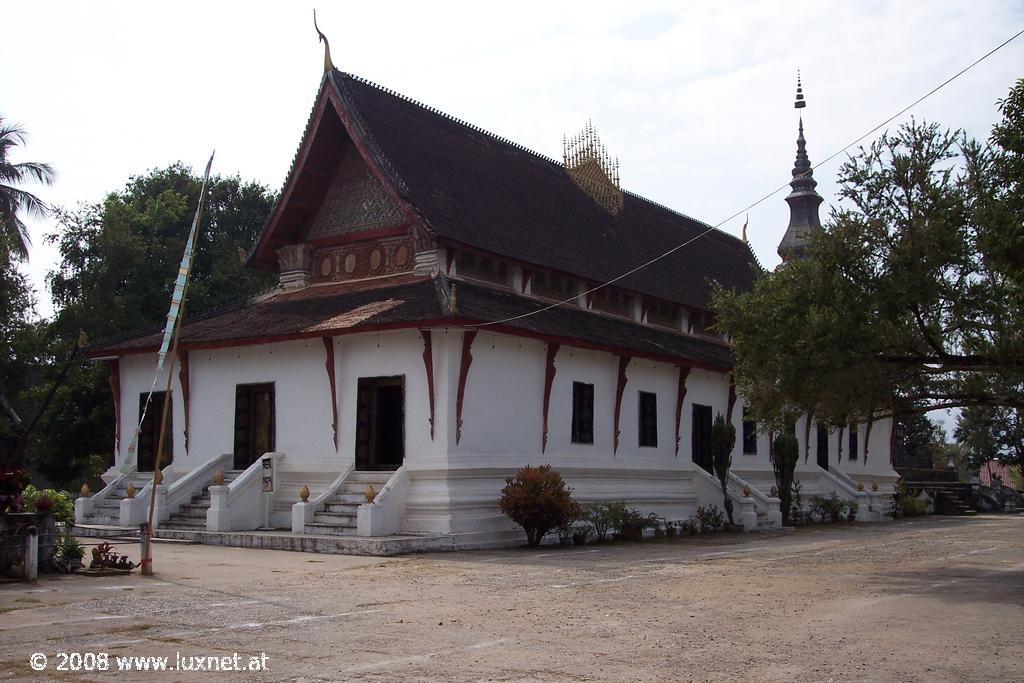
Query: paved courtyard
(914, 600)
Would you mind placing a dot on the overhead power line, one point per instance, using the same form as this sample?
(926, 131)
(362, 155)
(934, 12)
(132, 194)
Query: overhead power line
(767, 196)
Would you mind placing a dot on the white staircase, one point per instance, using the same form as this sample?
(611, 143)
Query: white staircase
(338, 518)
(107, 510)
(192, 515)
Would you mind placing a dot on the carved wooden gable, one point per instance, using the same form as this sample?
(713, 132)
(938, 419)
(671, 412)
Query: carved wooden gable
(355, 202)
(358, 231)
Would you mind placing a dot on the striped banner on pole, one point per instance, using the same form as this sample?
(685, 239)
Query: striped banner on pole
(173, 315)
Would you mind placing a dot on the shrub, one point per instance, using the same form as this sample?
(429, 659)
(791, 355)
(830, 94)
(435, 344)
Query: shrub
(45, 500)
(69, 548)
(912, 506)
(633, 523)
(604, 516)
(538, 500)
(12, 484)
(828, 508)
(710, 518)
(785, 453)
(723, 438)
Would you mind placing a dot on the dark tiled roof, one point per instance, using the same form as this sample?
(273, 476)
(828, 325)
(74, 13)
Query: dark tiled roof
(566, 322)
(306, 312)
(480, 190)
(408, 301)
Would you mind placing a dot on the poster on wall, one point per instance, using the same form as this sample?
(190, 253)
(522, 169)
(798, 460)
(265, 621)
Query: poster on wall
(268, 475)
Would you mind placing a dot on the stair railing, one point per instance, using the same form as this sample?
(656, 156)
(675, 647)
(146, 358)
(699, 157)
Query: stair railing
(84, 505)
(170, 499)
(302, 512)
(383, 516)
(242, 504)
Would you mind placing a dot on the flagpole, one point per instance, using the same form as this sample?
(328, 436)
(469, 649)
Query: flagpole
(175, 316)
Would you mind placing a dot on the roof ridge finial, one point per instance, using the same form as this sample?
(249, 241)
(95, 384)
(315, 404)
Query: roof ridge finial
(800, 102)
(328, 64)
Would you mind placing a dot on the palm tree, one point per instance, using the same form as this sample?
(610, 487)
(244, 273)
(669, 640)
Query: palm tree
(14, 200)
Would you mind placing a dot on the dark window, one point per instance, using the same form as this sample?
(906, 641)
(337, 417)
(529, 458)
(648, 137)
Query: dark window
(254, 423)
(582, 412)
(853, 442)
(149, 433)
(702, 437)
(648, 419)
(663, 315)
(610, 300)
(749, 435)
(822, 446)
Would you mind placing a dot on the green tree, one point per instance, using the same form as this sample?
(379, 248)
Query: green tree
(19, 347)
(785, 454)
(13, 199)
(916, 441)
(987, 433)
(723, 439)
(119, 259)
(912, 295)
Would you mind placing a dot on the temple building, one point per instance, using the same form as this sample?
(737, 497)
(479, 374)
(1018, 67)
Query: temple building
(439, 323)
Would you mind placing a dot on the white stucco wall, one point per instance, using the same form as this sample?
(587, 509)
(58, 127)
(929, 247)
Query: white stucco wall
(454, 488)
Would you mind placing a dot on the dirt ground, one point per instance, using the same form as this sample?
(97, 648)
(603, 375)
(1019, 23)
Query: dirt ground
(936, 599)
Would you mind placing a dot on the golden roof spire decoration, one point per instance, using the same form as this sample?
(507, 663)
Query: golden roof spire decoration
(592, 169)
(328, 64)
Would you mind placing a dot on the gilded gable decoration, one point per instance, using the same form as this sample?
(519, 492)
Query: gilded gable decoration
(592, 169)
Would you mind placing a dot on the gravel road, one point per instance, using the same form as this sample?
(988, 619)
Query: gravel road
(935, 599)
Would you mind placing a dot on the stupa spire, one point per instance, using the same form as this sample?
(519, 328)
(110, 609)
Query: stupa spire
(803, 200)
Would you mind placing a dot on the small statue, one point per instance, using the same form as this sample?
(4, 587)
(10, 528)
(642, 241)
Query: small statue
(370, 493)
(304, 494)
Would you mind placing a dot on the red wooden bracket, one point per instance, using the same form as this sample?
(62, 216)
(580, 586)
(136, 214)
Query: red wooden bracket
(467, 359)
(684, 372)
(549, 380)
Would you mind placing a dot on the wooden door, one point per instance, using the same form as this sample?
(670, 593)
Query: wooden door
(149, 433)
(255, 429)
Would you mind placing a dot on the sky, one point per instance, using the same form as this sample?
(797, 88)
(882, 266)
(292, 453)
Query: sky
(694, 98)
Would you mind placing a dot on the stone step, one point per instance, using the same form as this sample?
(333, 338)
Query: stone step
(198, 520)
(334, 519)
(358, 488)
(183, 524)
(103, 520)
(367, 477)
(201, 500)
(348, 499)
(193, 509)
(329, 530)
(342, 508)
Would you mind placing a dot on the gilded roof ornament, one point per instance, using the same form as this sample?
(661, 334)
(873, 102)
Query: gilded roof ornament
(593, 169)
(328, 64)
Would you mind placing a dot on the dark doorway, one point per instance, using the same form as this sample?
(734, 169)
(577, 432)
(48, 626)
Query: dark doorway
(380, 423)
(822, 447)
(149, 432)
(255, 431)
(702, 437)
